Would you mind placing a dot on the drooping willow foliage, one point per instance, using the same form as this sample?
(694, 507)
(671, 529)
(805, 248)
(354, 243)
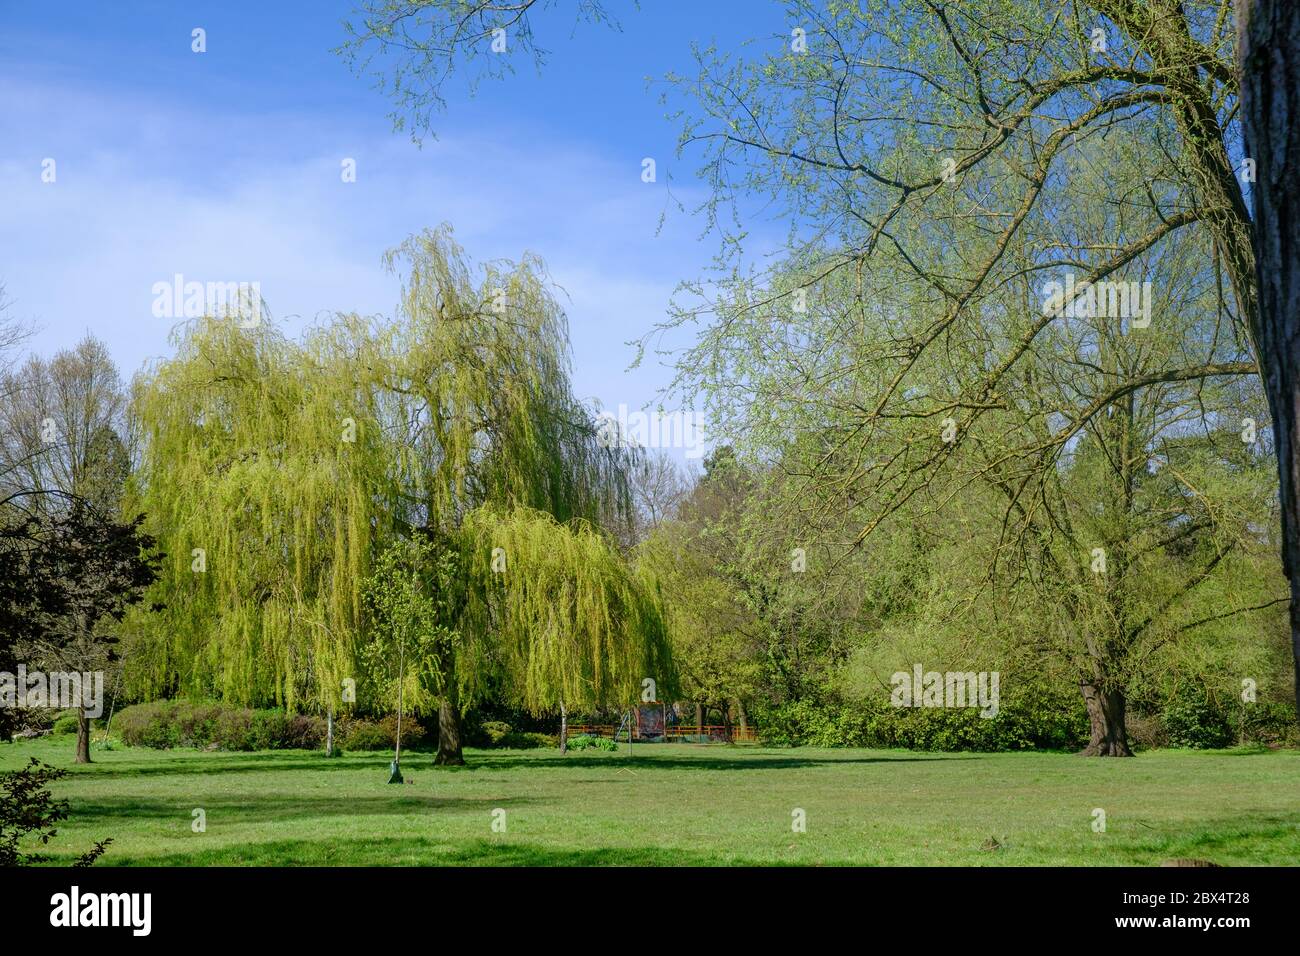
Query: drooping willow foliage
(291, 465)
(570, 620)
(266, 514)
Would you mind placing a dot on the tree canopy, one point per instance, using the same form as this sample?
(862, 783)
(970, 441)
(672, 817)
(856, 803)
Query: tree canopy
(276, 471)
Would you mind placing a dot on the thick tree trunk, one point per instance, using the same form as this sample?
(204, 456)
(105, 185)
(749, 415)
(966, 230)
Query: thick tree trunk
(741, 716)
(449, 752)
(1108, 735)
(1268, 37)
(83, 736)
(564, 729)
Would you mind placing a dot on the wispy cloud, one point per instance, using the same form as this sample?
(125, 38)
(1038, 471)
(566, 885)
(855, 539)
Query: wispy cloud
(146, 189)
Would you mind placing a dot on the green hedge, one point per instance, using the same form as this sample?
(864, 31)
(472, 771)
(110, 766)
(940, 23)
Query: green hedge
(1037, 722)
(1194, 717)
(167, 724)
(498, 733)
(1034, 721)
(65, 723)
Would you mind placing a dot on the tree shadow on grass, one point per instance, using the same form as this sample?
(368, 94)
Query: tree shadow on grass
(1222, 838)
(260, 809)
(511, 759)
(426, 851)
(177, 763)
(180, 762)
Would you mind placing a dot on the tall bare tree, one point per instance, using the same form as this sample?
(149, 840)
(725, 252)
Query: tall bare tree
(71, 567)
(63, 428)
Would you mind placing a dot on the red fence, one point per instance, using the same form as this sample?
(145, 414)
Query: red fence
(687, 732)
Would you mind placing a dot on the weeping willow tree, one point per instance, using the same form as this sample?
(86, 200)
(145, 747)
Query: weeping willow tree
(274, 471)
(267, 495)
(574, 626)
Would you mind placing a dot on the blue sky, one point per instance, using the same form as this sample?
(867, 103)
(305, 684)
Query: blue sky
(225, 166)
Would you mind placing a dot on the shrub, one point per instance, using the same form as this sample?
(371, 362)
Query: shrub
(358, 734)
(166, 724)
(516, 740)
(1146, 731)
(304, 732)
(493, 732)
(268, 730)
(65, 723)
(29, 813)
(413, 732)
(1268, 721)
(1192, 720)
(147, 725)
(195, 723)
(366, 735)
(1030, 720)
(232, 730)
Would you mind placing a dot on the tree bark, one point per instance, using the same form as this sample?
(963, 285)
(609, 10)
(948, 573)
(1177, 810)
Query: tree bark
(564, 729)
(449, 746)
(329, 732)
(1164, 37)
(83, 736)
(1109, 734)
(699, 718)
(449, 750)
(1268, 38)
(743, 718)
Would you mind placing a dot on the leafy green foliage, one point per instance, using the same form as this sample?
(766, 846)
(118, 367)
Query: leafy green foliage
(571, 622)
(28, 810)
(412, 600)
(1191, 720)
(1028, 722)
(421, 443)
(65, 723)
(358, 734)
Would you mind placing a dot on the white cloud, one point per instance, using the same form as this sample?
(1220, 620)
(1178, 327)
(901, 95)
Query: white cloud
(145, 191)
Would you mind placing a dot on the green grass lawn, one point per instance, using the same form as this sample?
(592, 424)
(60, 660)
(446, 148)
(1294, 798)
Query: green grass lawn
(677, 804)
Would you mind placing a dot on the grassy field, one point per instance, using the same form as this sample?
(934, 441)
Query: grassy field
(680, 804)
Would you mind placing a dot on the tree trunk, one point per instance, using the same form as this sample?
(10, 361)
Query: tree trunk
(741, 716)
(699, 718)
(329, 732)
(564, 729)
(83, 736)
(726, 720)
(1268, 36)
(449, 752)
(1109, 734)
